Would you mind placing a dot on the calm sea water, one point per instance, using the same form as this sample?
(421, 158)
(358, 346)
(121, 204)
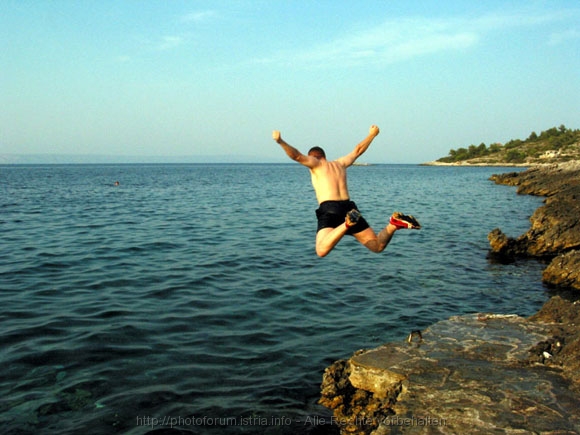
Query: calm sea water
(191, 296)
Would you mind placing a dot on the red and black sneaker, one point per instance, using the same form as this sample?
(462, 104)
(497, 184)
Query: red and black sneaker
(352, 218)
(401, 220)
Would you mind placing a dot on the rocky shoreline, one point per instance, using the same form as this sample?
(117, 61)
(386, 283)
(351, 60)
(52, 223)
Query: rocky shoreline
(483, 373)
(470, 163)
(555, 227)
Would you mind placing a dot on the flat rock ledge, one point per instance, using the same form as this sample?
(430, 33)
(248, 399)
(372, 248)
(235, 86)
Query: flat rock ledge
(472, 374)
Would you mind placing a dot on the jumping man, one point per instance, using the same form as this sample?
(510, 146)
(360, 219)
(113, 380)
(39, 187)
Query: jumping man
(337, 214)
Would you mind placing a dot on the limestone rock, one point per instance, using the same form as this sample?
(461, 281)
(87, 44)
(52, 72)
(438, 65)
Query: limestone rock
(542, 180)
(564, 270)
(555, 227)
(470, 374)
(562, 349)
(504, 248)
(369, 372)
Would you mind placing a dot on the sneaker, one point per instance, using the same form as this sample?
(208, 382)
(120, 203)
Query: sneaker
(352, 218)
(401, 220)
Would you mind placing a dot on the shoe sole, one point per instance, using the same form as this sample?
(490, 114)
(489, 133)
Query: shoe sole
(404, 221)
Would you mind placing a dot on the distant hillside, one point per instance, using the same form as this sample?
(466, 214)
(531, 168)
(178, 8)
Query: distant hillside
(551, 146)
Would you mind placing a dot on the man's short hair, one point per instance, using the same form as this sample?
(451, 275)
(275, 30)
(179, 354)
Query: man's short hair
(317, 152)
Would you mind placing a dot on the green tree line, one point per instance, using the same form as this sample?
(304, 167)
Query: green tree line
(517, 150)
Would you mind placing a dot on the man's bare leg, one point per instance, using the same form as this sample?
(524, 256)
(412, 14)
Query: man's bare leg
(327, 238)
(376, 243)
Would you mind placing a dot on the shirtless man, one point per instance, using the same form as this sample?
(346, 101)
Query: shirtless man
(337, 214)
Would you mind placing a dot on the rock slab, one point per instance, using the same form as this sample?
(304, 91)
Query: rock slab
(469, 374)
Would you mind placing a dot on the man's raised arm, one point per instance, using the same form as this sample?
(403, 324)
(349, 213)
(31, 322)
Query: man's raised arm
(293, 153)
(360, 148)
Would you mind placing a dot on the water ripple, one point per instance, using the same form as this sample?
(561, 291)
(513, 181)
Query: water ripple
(195, 289)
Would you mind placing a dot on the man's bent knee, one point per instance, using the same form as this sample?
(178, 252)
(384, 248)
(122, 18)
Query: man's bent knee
(374, 246)
(322, 252)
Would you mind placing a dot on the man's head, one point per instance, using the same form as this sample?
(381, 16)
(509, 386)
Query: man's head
(317, 152)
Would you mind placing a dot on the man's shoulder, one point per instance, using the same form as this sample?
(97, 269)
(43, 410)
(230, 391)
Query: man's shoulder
(330, 170)
(325, 165)
(342, 162)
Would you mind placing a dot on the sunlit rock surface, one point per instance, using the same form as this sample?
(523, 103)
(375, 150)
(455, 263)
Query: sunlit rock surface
(470, 374)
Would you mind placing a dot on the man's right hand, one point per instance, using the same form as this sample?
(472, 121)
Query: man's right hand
(374, 130)
(276, 135)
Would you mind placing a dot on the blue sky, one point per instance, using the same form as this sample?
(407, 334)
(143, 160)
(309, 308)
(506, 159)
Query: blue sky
(177, 78)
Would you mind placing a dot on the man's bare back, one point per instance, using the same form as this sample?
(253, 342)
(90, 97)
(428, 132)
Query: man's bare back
(329, 181)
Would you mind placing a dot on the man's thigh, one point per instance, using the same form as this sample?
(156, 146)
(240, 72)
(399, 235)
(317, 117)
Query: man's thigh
(321, 234)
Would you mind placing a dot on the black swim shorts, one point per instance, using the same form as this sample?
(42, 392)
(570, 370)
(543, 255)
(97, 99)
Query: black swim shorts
(331, 214)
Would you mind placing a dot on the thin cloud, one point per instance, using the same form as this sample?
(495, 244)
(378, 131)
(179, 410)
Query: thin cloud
(199, 16)
(563, 37)
(397, 40)
(147, 46)
(390, 42)
(169, 42)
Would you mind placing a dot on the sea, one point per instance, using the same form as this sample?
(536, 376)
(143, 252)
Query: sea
(189, 299)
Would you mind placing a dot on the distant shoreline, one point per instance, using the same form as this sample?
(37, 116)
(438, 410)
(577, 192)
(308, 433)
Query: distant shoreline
(465, 163)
